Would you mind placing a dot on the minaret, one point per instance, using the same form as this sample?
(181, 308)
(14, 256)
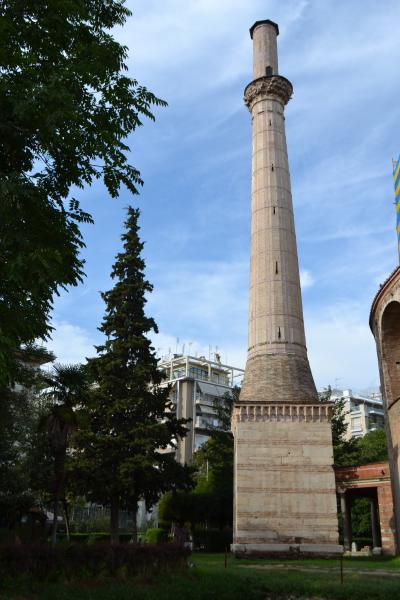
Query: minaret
(284, 481)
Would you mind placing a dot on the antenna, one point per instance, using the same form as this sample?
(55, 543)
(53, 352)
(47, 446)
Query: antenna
(337, 379)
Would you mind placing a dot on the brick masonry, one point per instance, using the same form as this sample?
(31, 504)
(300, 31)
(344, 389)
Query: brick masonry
(385, 326)
(284, 490)
(375, 476)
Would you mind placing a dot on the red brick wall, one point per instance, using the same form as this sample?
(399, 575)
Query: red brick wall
(376, 475)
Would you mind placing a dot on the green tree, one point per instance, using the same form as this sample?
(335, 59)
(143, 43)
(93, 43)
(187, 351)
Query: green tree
(20, 411)
(211, 502)
(343, 449)
(67, 108)
(338, 423)
(124, 454)
(67, 388)
(16, 425)
(372, 447)
(215, 460)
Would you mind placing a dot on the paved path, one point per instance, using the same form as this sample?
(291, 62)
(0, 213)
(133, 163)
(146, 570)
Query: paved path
(314, 569)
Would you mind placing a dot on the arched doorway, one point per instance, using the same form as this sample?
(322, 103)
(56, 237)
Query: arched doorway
(390, 339)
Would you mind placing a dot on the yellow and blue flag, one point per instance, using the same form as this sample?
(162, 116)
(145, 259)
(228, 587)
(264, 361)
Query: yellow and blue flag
(396, 177)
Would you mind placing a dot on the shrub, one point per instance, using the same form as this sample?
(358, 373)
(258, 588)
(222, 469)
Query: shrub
(91, 538)
(211, 540)
(156, 535)
(77, 561)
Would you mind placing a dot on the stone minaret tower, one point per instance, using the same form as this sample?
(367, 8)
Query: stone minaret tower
(284, 482)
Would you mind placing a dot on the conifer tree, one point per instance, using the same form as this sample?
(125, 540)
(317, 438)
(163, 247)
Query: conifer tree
(131, 418)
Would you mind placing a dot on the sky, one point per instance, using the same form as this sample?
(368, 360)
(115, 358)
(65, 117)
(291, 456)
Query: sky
(342, 128)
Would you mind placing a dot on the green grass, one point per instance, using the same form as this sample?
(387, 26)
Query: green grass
(242, 579)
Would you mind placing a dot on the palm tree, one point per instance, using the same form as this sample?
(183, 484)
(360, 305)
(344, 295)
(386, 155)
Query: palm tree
(66, 386)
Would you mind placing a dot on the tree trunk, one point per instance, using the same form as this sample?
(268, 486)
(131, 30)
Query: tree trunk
(59, 475)
(55, 517)
(114, 521)
(66, 517)
(134, 522)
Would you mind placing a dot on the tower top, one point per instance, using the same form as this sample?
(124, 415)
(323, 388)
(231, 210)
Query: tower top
(265, 49)
(264, 22)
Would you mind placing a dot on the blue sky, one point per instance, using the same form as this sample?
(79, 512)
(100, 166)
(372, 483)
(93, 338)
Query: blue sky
(342, 128)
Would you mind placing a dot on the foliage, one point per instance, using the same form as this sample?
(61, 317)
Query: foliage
(211, 501)
(185, 507)
(156, 535)
(94, 524)
(15, 427)
(74, 562)
(123, 455)
(67, 107)
(67, 387)
(20, 412)
(372, 447)
(361, 518)
(338, 423)
(92, 537)
(212, 540)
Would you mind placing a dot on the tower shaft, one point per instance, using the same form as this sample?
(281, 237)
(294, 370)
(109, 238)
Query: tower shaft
(277, 365)
(284, 485)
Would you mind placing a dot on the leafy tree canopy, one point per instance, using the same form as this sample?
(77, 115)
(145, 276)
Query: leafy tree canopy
(20, 412)
(370, 448)
(67, 107)
(211, 501)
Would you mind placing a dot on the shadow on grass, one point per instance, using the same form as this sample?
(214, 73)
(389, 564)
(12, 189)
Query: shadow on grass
(209, 579)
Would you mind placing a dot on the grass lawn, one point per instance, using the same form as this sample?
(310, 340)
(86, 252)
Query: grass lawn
(364, 579)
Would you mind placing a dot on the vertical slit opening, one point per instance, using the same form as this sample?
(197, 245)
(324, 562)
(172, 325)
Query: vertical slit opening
(276, 268)
(274, 209)
(272, 167)
(279, 333)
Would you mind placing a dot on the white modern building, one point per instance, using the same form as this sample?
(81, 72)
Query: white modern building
(197, 384)
(362, 413)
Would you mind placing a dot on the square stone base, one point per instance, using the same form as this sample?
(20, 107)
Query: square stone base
(284, 490)
(286, 550)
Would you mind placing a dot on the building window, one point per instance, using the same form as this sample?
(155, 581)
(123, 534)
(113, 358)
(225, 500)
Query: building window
(198, 373)
(199, 440)
(220, 378)
(178, 373)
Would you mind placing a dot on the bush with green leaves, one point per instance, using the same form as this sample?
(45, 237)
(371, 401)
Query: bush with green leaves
(78, 561)
(156, 535)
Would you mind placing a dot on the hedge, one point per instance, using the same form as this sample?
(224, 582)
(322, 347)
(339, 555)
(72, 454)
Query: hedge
(77, 561)
(83, 538)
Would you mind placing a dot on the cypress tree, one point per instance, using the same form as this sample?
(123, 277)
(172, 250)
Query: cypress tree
(123, 455)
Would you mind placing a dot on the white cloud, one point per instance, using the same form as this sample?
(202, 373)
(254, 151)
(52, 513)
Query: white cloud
(340, 137)
(71, 343)
(209, 297)
(341, 347)
(306, 279)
